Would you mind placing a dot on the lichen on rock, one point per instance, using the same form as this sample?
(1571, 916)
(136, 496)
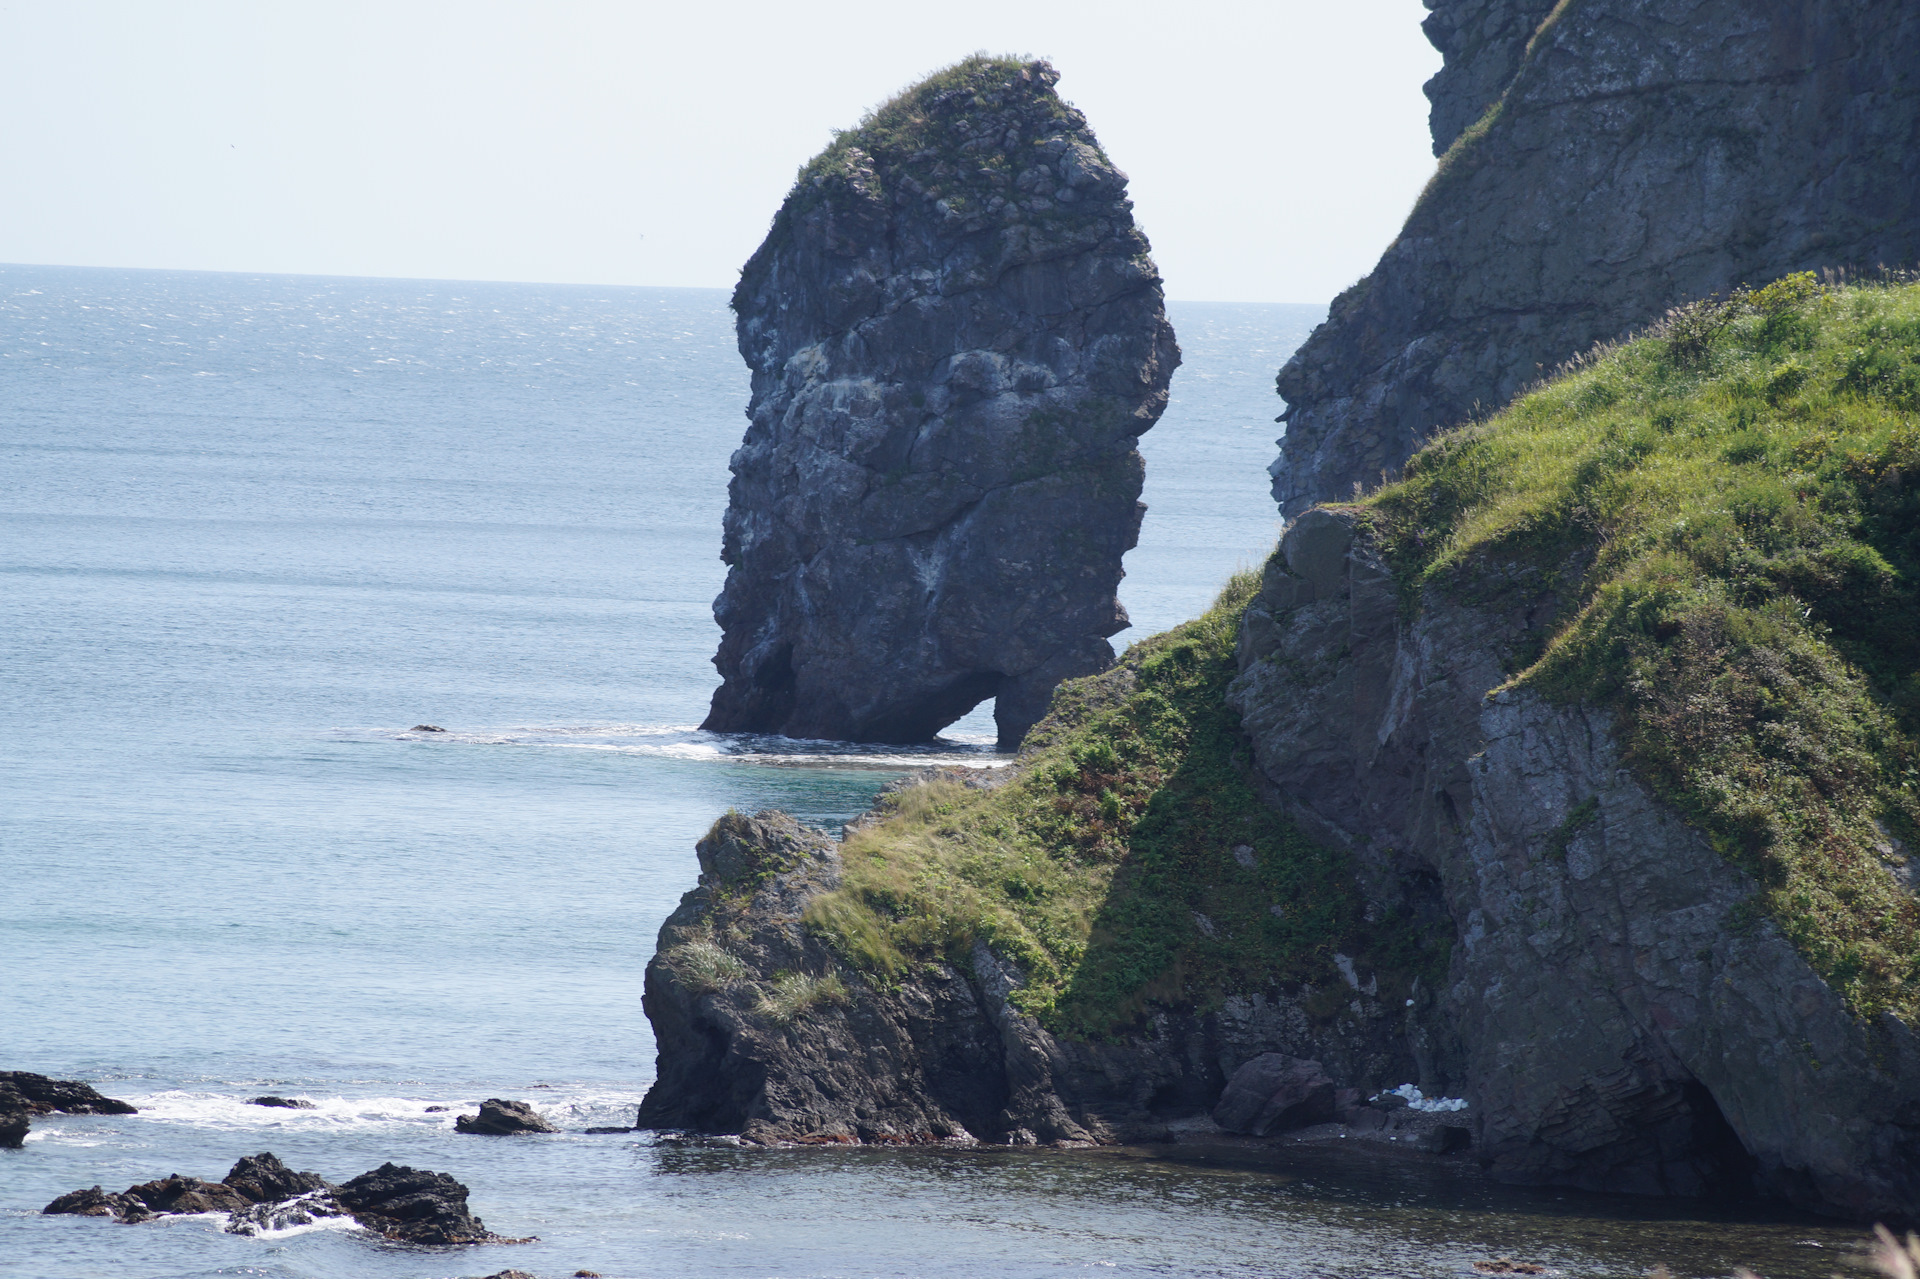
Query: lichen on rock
(956, 336)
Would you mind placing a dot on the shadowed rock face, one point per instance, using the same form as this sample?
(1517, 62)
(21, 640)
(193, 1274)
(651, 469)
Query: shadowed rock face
(956, 336)
(1646, 153)
(1618, 1031)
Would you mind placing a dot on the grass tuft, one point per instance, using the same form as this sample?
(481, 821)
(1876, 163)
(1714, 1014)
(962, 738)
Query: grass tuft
(790, 996)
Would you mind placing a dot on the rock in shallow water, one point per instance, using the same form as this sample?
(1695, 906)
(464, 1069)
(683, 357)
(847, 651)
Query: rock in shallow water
(956, 336)
(407, 1205)
(14, 1125)
(24, 1090)
(281, 1103)
(499, 1117)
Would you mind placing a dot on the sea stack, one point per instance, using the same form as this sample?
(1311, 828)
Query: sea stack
(956, 336)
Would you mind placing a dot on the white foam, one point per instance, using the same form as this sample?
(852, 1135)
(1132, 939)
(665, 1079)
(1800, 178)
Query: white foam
(1416, 1100)
(680, 741)
(222, 1110)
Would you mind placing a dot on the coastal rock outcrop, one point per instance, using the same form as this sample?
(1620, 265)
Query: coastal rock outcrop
(40, 1095)
(764, 1031)
(1635, 155)
(406, 1205)
(956, 336)
(499, 1117)
(1621, 1027)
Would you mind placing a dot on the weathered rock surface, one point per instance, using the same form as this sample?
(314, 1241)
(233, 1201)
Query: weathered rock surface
(942, 1056)
(37, 1094)
(1646, 154)
(1275, 1093)
(1615, 1030)
(262, 1178)
(499, 1117)
(261, 1193)
(956, 336)
(413, 1205)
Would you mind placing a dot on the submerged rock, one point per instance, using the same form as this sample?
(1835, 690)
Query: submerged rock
(956, 337)
(1637, 155)
(281, 1103)
(501, 1118)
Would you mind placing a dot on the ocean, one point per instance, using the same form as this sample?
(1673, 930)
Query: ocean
(253, 530)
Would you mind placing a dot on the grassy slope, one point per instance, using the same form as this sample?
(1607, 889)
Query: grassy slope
(1102, 867)
(1731, 508)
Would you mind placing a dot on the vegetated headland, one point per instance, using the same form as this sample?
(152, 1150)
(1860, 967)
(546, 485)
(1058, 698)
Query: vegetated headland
(1561, 760)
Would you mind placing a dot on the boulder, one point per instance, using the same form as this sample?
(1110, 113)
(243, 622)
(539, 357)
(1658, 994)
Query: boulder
(407, 1205)
(262, 1178)
(93, 1202)
(14, 1125)
(412, 1205)
(281, 1103)
(499, 1117)
(1275, 1093)
(175, 1194)
(24, 1090)
(956, 337)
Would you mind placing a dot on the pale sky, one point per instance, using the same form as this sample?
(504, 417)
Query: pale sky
(1274, 147)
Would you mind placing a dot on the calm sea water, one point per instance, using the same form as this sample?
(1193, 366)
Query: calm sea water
(254, 528)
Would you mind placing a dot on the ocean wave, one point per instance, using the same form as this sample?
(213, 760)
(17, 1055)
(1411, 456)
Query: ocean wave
(233, 1112)
(678, 741)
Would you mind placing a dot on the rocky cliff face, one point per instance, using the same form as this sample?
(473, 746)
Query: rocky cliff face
(1623, 1029)
(956, 336)
(1641, 154)
(764, 1029)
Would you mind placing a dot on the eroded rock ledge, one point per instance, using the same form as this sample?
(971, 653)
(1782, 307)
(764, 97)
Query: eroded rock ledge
(956, 336)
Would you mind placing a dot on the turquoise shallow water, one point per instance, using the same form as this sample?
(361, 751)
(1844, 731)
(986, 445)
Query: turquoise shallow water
(252, 530)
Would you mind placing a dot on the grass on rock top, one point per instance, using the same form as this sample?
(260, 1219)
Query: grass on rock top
(1129, 864)
(1729, 509)
(962, 135)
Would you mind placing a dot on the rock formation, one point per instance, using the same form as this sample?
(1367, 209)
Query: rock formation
(406, 1205)
(501, 1118)
(764, 1031)
(1616, 1032)
(37, 1094)
(1640, 155)
(956, 337)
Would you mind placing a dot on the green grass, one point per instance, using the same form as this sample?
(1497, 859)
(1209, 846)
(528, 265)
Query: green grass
(1729, 511)
(1107, 869)
(925, 136)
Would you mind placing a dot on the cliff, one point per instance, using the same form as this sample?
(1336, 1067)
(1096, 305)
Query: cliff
(1629, 670)
(1077, 951)
(1603, 163)
(1569, 774)
(956, 336)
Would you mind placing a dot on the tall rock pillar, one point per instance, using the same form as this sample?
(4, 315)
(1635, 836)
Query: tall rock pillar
(956, 336)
